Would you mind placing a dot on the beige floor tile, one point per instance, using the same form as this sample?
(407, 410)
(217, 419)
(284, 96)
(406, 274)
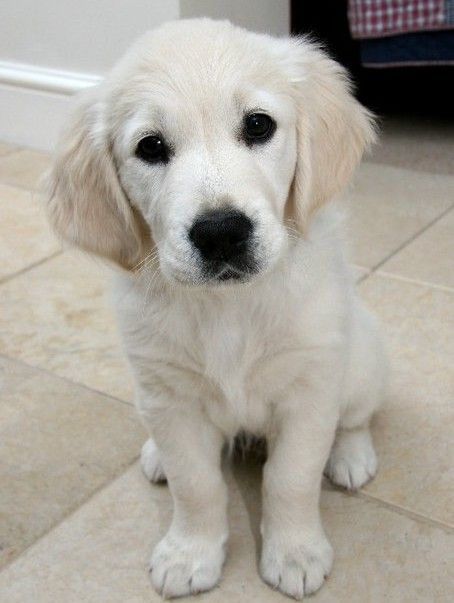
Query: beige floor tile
(57, 316)
(101, 552)
(58, 443)
(389, 205)
(6, 148)
(25, 237)
(413, 433)
(24, 168)
(430, 257)
(416, 144)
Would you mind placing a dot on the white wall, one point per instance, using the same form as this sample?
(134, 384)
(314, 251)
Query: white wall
(270, 16)
(85, 36)
(50, 49)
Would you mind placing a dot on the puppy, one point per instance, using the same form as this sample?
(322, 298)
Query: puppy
(203, 167)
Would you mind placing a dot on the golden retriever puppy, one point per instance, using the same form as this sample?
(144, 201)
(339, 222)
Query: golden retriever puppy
(203, 167)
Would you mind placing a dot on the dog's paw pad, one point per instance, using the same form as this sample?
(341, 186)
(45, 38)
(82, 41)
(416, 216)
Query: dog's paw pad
(150, 462)
(352, 462)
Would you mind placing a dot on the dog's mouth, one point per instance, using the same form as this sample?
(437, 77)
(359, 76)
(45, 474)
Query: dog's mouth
(230, 275)
(226, 272)
(202, 273)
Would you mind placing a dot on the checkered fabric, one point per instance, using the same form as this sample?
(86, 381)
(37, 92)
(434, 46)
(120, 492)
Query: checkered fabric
(449, 8)
(380, 18)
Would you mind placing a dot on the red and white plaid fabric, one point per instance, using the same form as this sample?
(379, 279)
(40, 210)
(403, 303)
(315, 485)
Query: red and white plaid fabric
(380, 18)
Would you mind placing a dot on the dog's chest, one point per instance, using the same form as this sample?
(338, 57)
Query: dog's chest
(235, 356)
(247, 356)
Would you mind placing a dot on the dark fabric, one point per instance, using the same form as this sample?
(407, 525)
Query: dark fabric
(423, 48)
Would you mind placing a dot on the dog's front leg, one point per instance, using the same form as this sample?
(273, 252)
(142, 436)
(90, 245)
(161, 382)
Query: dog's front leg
(296, 555)
(189, 558)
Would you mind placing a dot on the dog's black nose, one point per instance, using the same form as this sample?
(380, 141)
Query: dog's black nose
(221, 234)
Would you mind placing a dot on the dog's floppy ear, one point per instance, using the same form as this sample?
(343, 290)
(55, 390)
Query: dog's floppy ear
(333, 129)
(86, 204)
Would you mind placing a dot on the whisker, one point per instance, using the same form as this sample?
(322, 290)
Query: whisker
(293, 233)
(146, 259)
(153, 278)
(149, 262)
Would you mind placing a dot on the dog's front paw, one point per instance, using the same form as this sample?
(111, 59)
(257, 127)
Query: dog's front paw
(151, 463)
(296, 567)
(182, 566)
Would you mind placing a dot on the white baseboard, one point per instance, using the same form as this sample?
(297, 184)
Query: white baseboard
(34, 103)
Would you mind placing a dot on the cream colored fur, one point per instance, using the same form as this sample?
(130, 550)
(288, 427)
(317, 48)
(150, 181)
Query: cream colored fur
(292, 354)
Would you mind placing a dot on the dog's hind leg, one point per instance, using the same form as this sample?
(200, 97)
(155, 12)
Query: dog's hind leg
(151, 463)
(352, 461)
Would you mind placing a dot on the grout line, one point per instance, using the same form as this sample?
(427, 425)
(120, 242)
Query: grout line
(8, 153)
(364, 269)
(363, 278)
(24, 189)
(407, 279)
(69, 514)
(22, 271)
(370, 160)
(50, 373)
(411, 239)
(414, 515)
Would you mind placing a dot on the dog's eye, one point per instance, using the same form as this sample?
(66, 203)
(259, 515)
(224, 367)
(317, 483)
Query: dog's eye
(258, 127)
(152, 149)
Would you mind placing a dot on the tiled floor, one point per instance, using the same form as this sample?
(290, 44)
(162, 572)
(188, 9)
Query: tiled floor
(77, 519)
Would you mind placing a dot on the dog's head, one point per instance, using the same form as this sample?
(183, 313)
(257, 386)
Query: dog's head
(201, 147)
